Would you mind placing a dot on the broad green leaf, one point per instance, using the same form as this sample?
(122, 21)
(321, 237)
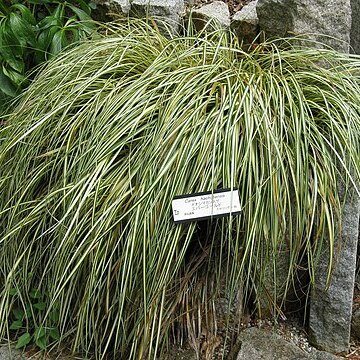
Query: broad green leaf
(40, 56)
(84, 6)
(82, 15)
(40, 306)
(16, 77)
(54, 333)
(19, 313)
(58, 42)
(40, 337)
(28, 312)
(59, 13)
(6, 85)
(86, 22)
(23, 341)
(16, 63)
(39, 332)
(17, 24)
(75, 35)
(54, 316)
(25, 13)
(35, 294)
(10, 45)
(42, 40)
(41, 342)
(23, 31)
(48, 22)
(40, 2)
(16, 325)
(13, 291)
(4, 10)
(92, 5)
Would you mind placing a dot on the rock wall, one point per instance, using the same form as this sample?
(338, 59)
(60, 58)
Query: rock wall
(331, 308)
(326, 21)
(331, 22)
(355, 27)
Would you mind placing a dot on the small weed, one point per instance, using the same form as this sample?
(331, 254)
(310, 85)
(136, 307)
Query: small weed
(25, 325)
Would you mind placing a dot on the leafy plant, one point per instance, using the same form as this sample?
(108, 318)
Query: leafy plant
(35, 30)
(25, 320)
(113, 129)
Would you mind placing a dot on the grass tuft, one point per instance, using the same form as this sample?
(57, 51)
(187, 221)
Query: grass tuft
(111, 130)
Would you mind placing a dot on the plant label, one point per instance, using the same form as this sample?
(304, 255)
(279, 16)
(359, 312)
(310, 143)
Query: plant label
(206, 205)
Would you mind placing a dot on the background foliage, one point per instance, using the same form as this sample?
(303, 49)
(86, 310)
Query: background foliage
(32, 31)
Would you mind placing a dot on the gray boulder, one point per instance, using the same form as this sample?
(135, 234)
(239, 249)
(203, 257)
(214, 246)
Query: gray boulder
(355, 26)
(167, 12)
(217, 10)
(326, 21)
(7, 353)
(245, 23)
(265, 344)
(331, 308)
(355, 325)
(121, 7)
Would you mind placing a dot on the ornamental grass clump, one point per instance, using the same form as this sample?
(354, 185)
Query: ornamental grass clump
(111, 130)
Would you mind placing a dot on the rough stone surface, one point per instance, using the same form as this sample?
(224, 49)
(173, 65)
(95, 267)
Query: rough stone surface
(264, 344)
(217, 10)
(355, 325)
(245, 23)
(327, 21)
(6, 354)
(331, 309)
(167, 11)
(357, 275)
(121, 7)
(355, 26)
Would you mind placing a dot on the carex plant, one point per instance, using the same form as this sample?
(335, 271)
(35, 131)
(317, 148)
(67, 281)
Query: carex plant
(111, 130)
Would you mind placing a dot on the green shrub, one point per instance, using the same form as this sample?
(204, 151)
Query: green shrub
(31, 33)
(113, 129)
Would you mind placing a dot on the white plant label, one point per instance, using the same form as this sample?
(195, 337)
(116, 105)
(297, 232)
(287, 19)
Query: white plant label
(206, 205)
